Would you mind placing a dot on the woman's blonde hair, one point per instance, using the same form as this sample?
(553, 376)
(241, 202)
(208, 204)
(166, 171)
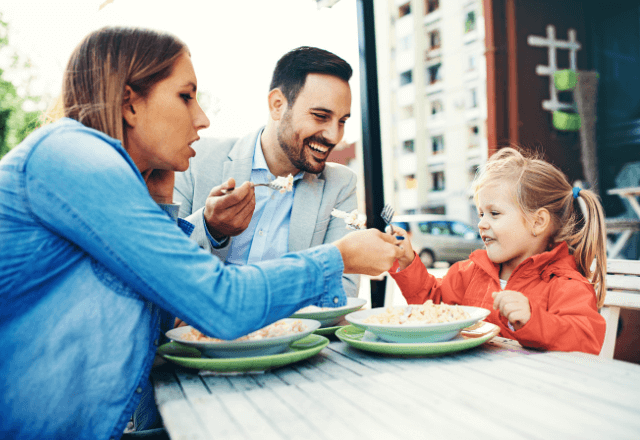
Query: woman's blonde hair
(104, 63)
(538, 184)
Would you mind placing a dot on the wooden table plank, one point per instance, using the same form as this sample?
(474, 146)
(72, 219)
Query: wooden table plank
(531, 404)
(322, 418)
(283, 417)
(436, 401)
(498, 390)
(354, 415)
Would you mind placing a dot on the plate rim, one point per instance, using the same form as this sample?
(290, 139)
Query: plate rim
(327, 314)
(434, 327)
(312, 325)
(250, 363)
(414, 348)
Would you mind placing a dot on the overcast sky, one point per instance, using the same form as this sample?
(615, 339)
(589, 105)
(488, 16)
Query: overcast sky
(234, 44)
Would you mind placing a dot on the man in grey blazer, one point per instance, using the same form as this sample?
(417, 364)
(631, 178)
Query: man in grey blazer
(309, 102)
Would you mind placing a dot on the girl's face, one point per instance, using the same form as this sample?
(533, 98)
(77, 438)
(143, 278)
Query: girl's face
(506, 234)
(162, 126)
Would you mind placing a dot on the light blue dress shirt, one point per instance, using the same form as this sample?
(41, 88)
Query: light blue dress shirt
(267, 236)
(92, 272)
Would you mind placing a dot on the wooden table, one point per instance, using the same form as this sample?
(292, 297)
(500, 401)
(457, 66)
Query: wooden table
(497, 390)
(624, 227)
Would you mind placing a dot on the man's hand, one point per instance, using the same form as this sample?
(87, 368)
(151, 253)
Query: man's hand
(514, 306)
(369, 252)
(229, 214)
(160, 185)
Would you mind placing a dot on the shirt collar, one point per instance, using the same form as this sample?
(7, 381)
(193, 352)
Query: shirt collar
(260, 163)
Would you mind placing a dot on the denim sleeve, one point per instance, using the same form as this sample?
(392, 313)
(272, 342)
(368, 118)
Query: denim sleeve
(89, 192)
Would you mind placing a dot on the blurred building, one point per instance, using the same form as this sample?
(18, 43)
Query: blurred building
(432, 88)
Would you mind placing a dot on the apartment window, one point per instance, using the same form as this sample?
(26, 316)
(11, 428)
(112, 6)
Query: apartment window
(406, 77)
(405, 43)
(410, 182)
(434, 73)
(473, 98)
(472, 172)
(470, 22)
(436, 108)
(437, 179)
(434, 39)
(431, 5)
(408, 146)
(406, 112)
(472, 63)
(474, 135)
(404, 9)
(437, 144)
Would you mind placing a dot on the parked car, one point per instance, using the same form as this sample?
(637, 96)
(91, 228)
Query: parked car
(438, 238)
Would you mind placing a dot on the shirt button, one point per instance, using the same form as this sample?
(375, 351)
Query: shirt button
(261, 233)
(139, 390)
(335, 300)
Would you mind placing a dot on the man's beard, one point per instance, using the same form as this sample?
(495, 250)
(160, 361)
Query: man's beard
(295, 149)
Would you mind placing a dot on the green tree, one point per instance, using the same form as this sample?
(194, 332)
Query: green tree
(15, 122)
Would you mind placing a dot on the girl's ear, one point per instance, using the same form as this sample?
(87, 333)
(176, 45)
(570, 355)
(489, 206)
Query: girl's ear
(541, 222)
(277, 104)
(129, 101)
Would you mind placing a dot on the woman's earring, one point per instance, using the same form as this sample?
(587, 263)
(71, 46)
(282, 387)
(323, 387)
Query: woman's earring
(534, 233)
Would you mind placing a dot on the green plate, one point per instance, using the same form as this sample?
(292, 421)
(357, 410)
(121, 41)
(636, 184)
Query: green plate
(356, 338)
(190, 357)
(327, 331)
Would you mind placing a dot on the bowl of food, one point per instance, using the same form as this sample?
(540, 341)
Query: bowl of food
(417, 323)
(272, 339)
(329, 316)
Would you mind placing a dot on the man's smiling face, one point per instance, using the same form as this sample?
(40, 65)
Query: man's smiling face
(314, 125)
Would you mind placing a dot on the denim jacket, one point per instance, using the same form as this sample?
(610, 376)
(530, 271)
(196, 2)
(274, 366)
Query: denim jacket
(91, 269)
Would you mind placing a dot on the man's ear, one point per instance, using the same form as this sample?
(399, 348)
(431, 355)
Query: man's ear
(129, 101)
(541, 221)
(277, 104)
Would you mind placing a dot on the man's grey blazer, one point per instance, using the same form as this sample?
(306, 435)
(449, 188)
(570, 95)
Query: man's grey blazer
(315, 196)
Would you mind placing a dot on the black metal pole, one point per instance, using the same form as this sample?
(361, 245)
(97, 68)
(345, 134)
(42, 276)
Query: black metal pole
(371, 143)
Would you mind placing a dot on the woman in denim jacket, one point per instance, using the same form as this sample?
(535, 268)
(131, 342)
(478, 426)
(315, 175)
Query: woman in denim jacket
(92, 270)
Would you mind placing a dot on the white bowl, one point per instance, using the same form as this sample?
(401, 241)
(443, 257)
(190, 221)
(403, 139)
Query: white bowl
(331, 316)
(238, 349)
(416, 332)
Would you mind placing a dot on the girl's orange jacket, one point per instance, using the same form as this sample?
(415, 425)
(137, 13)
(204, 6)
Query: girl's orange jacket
(564, 315)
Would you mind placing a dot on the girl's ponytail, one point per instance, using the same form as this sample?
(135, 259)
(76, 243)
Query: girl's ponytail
(589, 240)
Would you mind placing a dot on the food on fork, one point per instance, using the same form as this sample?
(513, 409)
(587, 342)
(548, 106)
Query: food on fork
(278, 328)
(427, 313)
(284, 183)
(351, 219)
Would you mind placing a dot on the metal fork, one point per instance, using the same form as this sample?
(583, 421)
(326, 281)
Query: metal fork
(273, 185)
(387, 216)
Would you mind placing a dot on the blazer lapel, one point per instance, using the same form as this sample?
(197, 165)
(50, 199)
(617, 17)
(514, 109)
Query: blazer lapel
(304, 213)
(240, 161)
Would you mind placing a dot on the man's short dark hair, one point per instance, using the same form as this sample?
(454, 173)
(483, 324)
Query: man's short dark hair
(292, 69)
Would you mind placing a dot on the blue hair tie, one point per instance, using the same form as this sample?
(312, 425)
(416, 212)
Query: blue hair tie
(576, 192)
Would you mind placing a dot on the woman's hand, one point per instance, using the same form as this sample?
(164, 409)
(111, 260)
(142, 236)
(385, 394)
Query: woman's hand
(369, 252)
(160, 185)
(409, 254)
(514, 306)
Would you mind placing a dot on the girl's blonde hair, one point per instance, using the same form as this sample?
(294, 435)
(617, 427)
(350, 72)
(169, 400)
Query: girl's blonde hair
(104, 63)
(538, 184)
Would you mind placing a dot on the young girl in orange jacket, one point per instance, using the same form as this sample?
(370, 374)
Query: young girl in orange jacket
(535, 273)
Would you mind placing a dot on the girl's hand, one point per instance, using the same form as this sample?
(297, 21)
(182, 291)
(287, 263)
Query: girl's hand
(408, 254)
(514, 306)
(160, 185)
